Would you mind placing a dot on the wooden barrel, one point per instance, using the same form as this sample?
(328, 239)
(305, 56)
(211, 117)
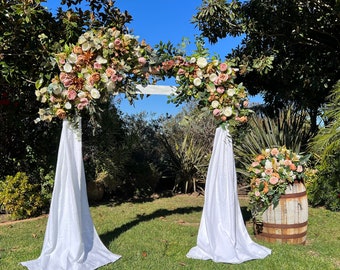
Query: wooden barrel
(287, 223)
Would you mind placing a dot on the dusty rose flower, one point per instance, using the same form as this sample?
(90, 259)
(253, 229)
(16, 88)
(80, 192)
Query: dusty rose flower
(255, 163)
(268, 171)
(273, 180)
(142, 60)
(274, 152)
(257, 193)
(220, 89)
(71, 94)
(216, 112)
(97, 65)
(223, 67)
(181, 71)
(287, 162)
(109, 71)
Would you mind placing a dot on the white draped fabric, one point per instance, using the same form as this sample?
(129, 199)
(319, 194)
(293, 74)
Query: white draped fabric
(222, 235)
(71, 241)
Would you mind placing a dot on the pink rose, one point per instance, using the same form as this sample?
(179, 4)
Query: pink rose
(255, 163)
(287, 162)
(109, 72)
(274, 152)
(83, 103)
(71, 94)
(223, 67)
(117, 42)
(273, 180)
(181, 71)
(96, 65)
(141, 60)
(216, 112)
(220, 89)
(257, 193)
(299, 168)
(268, 171)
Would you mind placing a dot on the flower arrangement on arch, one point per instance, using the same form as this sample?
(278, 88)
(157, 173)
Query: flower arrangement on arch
(107, 61)
(102, 63)
(270, 173)
(213, 84)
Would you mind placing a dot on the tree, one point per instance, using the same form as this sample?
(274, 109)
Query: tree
(290, 48)
(29, 36)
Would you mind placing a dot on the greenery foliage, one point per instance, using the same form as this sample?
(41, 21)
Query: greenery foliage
(20, 198)
(326, 146)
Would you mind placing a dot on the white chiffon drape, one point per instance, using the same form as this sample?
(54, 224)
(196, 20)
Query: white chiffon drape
(222, 235)
(71, 241)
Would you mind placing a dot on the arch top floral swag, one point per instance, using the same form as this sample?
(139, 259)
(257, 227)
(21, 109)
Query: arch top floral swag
(107, 61)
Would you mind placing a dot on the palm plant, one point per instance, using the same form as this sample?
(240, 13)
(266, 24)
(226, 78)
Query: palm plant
(187, 161)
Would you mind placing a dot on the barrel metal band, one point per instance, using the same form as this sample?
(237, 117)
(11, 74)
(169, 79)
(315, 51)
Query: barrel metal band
(294, 195)
(285, 226)
(283, 236)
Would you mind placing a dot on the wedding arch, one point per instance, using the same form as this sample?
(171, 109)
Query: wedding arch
(108, 61)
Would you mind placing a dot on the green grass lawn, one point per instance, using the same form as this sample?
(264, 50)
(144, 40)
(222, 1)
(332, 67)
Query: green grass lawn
(159, 233)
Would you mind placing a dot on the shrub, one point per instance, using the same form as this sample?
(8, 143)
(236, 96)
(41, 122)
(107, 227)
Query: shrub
(20, 198)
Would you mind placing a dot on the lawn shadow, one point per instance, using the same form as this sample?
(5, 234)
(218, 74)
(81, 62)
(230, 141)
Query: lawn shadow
(108, 237)
(112, 235)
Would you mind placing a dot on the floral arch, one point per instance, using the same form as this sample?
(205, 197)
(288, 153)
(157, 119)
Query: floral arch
(107, 61)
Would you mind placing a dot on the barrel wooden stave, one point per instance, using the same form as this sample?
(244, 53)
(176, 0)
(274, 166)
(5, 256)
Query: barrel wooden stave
(287, 223)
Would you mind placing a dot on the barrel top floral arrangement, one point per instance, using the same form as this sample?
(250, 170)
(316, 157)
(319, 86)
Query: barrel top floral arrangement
(270, 173)
(107, 61)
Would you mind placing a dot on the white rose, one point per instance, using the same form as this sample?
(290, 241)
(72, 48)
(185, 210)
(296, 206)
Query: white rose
(228, 111)
(215, 104)
(81, 39)
(95, 93)
(43, 99)
(101, 60)
(68, 105)
(268, 164)
(231, 92)
(212, 77)
(72, 58)
(86, 46)
(111, 45)
(37, 93)
(192, 60)
(67, 67)
(81, 94)
(197, 81)
(202, 62)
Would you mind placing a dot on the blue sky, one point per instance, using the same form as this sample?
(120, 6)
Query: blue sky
(163, 20)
